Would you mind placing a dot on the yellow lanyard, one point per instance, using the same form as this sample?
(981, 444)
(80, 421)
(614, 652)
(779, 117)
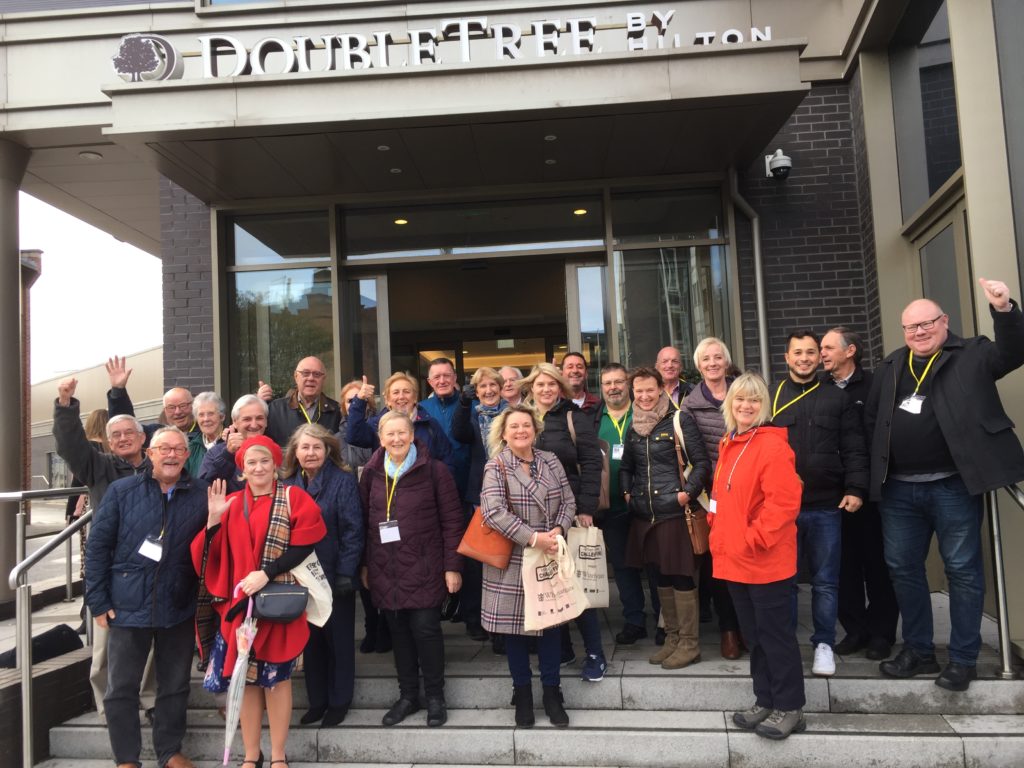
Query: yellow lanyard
(910, 365)
(620, 426)
(775, 403)
(390, 492)
(303, 409)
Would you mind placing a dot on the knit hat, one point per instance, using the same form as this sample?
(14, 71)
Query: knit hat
(263, 441)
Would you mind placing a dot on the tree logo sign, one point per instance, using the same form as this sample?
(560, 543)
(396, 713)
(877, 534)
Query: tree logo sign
(145, 57)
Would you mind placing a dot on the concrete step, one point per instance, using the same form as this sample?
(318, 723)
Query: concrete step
(606, 738)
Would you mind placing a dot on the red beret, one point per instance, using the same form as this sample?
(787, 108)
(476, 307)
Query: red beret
(261, 440)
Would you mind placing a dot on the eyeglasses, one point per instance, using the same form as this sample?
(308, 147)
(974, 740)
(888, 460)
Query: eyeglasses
(167, 450)
(119, 434)
(927, 325)
(310, 374)
(179, 407)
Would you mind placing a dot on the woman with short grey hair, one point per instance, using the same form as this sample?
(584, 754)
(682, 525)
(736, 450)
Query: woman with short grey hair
(208, 410)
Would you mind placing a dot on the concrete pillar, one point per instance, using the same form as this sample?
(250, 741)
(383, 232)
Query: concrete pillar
(13, 160)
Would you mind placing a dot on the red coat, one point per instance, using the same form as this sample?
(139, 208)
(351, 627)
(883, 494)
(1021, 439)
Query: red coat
(235, 551)
(757, 499)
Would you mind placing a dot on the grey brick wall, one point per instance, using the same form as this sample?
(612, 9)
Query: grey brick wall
(188, 289)
(812, 230)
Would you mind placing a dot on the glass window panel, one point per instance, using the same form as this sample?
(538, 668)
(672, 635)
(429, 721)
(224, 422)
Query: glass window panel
(647, 217)
(281, 238)
(940, 278)
(361, 326)
(472, 228)
(591, 296)
(276, 318)
(669, 297)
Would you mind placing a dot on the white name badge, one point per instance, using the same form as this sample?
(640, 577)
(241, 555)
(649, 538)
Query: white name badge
(152, 548)
(617, 451)
(389, 532)
(912, 404)
(713, 506)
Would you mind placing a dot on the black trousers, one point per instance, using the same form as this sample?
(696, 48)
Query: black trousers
(330, 657)
(127, 651)
(418, 645)
(765, 612)
(717, 591)
(862, 567)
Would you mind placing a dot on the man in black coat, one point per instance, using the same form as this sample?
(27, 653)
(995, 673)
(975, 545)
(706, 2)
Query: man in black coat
(863, 560)
(939, 440)
(827, 435)
(305, 403)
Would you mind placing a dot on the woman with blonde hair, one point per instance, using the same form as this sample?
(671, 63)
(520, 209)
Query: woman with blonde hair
(526, 497)
(756, 499)
(312, 462)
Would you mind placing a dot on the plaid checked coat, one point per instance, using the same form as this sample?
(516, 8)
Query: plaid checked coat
(537, 505)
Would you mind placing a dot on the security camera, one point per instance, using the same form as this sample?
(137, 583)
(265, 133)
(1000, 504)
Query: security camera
(777, 165)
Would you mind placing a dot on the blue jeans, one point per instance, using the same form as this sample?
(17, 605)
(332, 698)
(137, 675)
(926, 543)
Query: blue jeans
(911, 512)
(628, 580)
(819, 535)
(549, 656)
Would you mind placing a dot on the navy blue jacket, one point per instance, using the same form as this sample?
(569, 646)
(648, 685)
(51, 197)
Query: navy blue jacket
(142, 592)
(466, 429)
(362, 432)
(336, 493)
(443, 410)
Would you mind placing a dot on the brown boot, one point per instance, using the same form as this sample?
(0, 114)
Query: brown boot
(688, 648)
(671, 617)
(731, 645)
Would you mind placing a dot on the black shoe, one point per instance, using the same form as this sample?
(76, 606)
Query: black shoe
(314, 715)
(956, 677)
(878, 649)
(522, 698)
(476, 632)
(335, 716)
(437, 712)
(498, 644)
(850, 644)
(369, 643)
(257, 763)
(909, 663)
(400, 710)
(630, 634)
(553, 707)
(659, 636)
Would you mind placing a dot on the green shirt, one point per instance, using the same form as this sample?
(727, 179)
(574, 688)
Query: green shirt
(609, 432)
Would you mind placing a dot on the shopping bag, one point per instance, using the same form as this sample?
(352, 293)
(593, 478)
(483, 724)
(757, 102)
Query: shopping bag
(310, 574)
(586, 546)
(552, 594)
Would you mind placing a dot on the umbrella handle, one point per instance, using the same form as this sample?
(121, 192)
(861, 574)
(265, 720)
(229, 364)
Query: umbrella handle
(248, 610)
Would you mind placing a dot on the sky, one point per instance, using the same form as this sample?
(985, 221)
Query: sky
(96, 297)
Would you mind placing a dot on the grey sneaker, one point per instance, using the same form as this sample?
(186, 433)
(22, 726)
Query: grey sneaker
(749, 719)
(778, 725)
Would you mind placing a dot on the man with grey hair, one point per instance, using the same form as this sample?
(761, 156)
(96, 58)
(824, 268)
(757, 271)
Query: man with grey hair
(510, 378)
(98, 470)
(248, 419)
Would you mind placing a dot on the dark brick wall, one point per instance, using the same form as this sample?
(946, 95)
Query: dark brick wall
(188, 289)
(812, 230)
(941, 131)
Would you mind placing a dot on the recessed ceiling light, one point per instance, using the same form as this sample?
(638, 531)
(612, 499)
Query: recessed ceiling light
(580, 212)
(401, 222)
(383, 147)
(89, 155)
(396, 170)
(551, 137)
(550, 161)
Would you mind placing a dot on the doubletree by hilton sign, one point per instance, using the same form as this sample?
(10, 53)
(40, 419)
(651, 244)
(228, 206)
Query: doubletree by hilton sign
(468, 40)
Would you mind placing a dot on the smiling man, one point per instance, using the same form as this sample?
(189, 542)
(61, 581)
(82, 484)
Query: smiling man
(305, 403)
(827, 436)
(574, 368)
(248, 419)
(670, 365)
(939, 440)
(141, 539)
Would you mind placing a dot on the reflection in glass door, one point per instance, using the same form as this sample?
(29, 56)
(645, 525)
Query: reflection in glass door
(945, 269)
(587, 316)
(365, 328)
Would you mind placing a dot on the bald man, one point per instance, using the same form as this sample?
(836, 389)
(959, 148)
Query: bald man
(939, 440)
(305, 403)
(177, 403)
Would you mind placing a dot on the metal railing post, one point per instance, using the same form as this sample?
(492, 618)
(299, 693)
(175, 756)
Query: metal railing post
(21, 529)
(24, 656)
(69, 590)
(1006, 671)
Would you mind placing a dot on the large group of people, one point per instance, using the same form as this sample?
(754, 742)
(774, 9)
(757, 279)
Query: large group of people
(833, 473)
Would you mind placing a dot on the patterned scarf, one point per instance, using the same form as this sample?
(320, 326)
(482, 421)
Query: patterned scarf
(644, 422)
(485, 415)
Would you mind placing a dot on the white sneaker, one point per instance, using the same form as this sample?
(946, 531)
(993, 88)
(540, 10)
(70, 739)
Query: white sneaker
(824, 662)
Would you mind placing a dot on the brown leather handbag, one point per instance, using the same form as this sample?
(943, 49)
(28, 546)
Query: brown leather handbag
(696, 515)
(483, 543)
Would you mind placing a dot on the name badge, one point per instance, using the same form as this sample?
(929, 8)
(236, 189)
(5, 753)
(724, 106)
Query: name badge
(713, 506)
(617, 451)
(389, 532)
(912, 404)
(152, 548)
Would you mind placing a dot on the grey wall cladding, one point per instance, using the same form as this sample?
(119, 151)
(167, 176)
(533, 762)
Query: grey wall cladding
(188, 289)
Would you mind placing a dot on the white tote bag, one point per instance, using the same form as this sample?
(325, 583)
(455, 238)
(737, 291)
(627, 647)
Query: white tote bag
(310, 574)
(586, 545)
(552, 594)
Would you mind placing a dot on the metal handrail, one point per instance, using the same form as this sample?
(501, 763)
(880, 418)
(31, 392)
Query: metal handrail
(1006, 672)
(18, 581)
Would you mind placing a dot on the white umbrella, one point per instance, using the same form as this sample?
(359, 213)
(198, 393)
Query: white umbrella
(244, 636)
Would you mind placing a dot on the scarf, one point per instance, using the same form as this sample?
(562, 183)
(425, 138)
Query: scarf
(395, 472)
(644, 422)
(485, 415)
